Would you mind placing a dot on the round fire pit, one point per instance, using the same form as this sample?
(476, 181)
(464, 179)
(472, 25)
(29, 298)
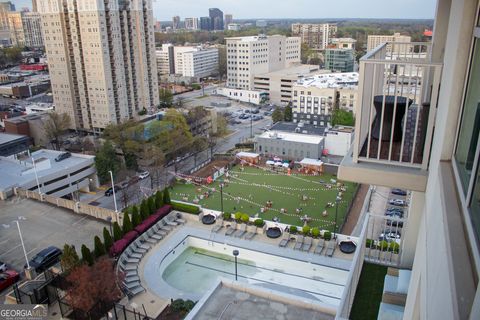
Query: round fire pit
(274, 232)
(208, 219)
(347, 246)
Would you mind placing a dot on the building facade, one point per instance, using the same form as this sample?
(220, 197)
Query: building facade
(186, 61)
(344, 43)
(316, 36)
(279, 84)
(32, 27)
(374, 41)
(234, 27)
(176, 23)
(228, 19)
(315, 98)
(101, 58)
(15, 25)
(5, 9)
(251, 56)
(191, 23)
(441, 238)
(216, 19)
(340, 60)
(205, 23)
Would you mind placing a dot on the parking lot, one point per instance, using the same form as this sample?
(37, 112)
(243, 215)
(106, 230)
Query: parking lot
(42, 225)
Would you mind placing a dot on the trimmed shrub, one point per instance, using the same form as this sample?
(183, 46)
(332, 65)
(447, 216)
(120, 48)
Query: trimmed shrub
(238, 216)
(227, 216)
(394, 247)
(177, 305)
(166, 196)
(117, 231)
(259, 222)
(315, 232)
(99, 248)
(327, 235)
(370, 243)
(136, 219)
(293, 229)
(87, 255)
(151, 206)
(185, 207)
(158, 200)
(127, 223)
(383, 245)
(188, 305)
(306, 230)
(245, 218)
(144, 210)
(107, 239)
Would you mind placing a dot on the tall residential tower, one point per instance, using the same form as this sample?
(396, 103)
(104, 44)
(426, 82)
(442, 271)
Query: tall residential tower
(101, 56)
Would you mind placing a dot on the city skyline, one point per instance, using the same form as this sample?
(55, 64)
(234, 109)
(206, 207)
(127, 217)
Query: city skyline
(164, 10)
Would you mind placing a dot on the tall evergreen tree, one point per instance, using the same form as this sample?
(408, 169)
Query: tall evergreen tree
(69, 258)
(136, 219)
(151, 205)
(166, 196)
(99, 248)
(144, 210)
(117, 231)
(127, 223)
(87, 255)
(158, 199)
(107, 239)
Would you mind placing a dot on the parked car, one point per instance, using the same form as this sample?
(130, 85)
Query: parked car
(7, 278)
(144, 175)
(394, 213)
(390, 235)
(399, 192)
(394, 223)
(45, 259)
(255, 111)
(109, 191)
(3, 266)
(396, 202)
(63, 156)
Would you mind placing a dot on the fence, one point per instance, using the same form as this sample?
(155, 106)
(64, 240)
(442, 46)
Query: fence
(101, 311)
(77, 207)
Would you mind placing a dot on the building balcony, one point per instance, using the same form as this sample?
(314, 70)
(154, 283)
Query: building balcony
(397, 99)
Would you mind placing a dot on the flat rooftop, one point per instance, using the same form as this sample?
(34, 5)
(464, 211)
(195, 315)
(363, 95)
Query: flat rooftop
(295, 71)
(330, 80)
(21, 172)
(291, 127)
(233, 301)
(9, 137)
(292, 137)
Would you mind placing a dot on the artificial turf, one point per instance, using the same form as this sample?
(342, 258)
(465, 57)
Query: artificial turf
(248, 190)
(369, 292)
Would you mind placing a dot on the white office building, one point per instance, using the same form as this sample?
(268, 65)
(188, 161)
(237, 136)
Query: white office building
(251, 56)
(374, 41)
(198, 62)
(316, 36)
(191, 24)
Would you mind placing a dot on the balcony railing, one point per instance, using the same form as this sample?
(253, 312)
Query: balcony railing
(398, 93)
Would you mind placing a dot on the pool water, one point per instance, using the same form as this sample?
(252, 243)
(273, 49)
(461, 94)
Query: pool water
(197, 269)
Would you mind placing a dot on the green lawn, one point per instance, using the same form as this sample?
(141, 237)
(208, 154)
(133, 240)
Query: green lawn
(247, 191)
(369, 292)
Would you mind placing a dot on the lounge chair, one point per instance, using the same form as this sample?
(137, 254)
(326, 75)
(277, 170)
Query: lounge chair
(127, 267)
(151, 233)
(157, 229)
(319, 247)
(231, 229)
(178, 218)
(135, 291)
(217, 227)
(131, 279)
(170, 221)
(241, 231)
(140, 244)
(146, 241)
(299, 243)
(307, 244)
(129, 252)
(330, 248)
(251, 234)
(130, 260)
(131, 273)
(286, 239)
(132, 285)
(164, 226)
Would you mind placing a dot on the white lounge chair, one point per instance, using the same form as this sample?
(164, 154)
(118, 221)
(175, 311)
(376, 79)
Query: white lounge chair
(330, 248)
(231, 229)
(319, 247)
(307, 244)
(251, 234)
(133, 292)
(241, 231)
(129, 252)
(170, 221)
(299, 243)
(218, 227)
(151, 233)
(131, 279)
(286, 239)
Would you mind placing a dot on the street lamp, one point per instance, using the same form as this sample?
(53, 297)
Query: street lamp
(235, 254)
(23, 245)
(221, 195)
(36, 176)
(113, 191)
(336, 214)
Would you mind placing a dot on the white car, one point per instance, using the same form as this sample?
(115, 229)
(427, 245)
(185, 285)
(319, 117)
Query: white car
(3, 266)
(144, 175)
(396, 202)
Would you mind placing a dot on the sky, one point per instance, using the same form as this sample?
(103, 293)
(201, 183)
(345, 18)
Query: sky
(164, 10)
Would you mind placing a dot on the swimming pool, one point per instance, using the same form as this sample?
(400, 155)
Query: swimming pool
(195, 265)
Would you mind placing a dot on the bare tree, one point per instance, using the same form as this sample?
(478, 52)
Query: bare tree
(56, 125)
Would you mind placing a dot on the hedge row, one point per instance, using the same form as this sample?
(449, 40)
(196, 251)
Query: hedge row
(184, 207)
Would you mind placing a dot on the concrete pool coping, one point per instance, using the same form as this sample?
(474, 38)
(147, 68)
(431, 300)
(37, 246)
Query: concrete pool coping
(260, 243)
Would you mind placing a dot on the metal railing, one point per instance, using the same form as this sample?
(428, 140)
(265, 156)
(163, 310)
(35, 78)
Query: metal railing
(398, 93)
